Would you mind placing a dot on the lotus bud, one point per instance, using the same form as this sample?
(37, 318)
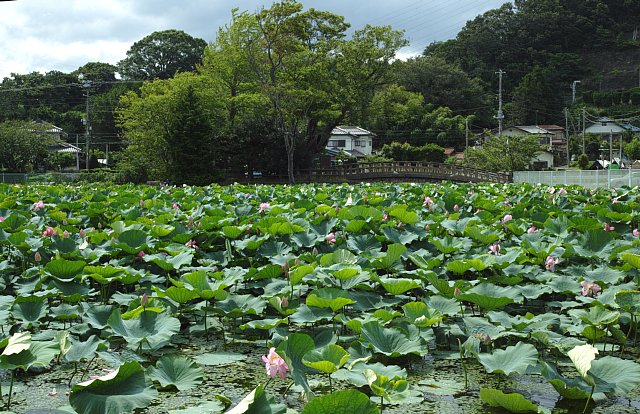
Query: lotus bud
(297, 262)
(82, 233)
(284, 302)
(65, 222)
(456, 292)
(37, 257)
(65, 234)
(99, 225)
(144, 300)
(314, 251)
(456, 208)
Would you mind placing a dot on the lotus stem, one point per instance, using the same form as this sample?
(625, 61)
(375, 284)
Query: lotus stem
(86, 369)
(10, 390)
(330, 384)
(75, 371)
(584, 410)
(464, 365)
(381, 404)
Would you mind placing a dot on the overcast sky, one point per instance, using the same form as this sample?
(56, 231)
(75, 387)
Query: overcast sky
(44, 35)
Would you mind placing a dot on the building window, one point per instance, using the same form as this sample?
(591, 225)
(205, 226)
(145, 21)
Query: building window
(337, 143)
(357, 143)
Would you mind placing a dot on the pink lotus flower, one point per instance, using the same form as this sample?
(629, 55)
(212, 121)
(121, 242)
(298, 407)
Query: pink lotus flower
(550, 263)
(331, 238)
(49, 232)
(495, 249)
(507, 203)
(635, 233)
(507, 217)
(38, 205)
(427, 202)
(607, 227)
(615, 200)
(191, 243)
(589, 288)
(456, 208)
(141, 254)
(175, 206)
(532, 229)
(263, 207)
(144, 300)
(385, 217)
(274, 364)
(1, 219)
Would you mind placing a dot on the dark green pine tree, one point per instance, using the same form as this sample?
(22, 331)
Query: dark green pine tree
(191, 142)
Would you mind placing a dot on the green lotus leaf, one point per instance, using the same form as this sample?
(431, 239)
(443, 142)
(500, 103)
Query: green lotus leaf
(238, 305)
(404, 216)
(97, 315)
(420, 315)
(84, 350)
(299, 272)
(270, 271)
(337, 257)
(594, 244)
(293, 349)
(327, 359)
(353, 373)
(264, 324)
(570, 388)
(629, 300)
(168, 262)
(64, 270)
(150, 331)
(391, 258)
(364, 243)
(596, 315)
(39, 355)
(258, 402)
(514, 403)
(176, 371)
(29, 309)
(331, 298)
(391, 342)
(16, 343)
(449, 244)
(161, 230)
(485, 237)
(512, 359)
(305, 314)
(133, 241)
(392, 390)
(402, 237)
(178, 294)
(487, 303)
(121, 391)
(398, 286)
(346, 401)
(617, 375)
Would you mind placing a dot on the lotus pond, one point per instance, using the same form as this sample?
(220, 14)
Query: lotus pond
(452, 298)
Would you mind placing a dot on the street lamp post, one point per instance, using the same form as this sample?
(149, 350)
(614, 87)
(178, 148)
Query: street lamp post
(86, 84)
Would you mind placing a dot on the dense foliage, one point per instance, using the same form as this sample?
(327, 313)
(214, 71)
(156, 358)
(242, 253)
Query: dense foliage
(336, 286)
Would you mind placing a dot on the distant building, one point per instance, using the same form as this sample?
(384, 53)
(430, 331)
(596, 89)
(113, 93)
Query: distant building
(351, 141)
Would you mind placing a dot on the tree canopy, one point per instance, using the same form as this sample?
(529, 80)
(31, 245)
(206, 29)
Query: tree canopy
(161, 55)
(503, 153)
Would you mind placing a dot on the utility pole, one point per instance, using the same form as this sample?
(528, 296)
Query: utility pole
(466, 132)
(573, 90)
(566, 132)
(87, 128)
(610, 148)
(500, 115)
(584, 115)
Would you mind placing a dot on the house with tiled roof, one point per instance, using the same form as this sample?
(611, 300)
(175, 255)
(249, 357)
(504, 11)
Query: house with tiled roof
(352, 141)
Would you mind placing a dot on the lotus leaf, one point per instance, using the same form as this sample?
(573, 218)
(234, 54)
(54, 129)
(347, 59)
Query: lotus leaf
(123, 390)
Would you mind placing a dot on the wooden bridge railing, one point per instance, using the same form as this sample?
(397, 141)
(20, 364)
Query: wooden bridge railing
(384, 171)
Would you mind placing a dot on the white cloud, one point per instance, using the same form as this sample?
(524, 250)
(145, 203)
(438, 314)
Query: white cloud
(44, 35)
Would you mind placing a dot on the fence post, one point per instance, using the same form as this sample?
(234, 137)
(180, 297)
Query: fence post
(609, 178)
(580, 178)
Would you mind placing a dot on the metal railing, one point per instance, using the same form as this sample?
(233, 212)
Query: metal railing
(585, 178)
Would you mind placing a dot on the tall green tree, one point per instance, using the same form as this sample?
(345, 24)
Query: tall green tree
(24, 146)
(301, 65)
(175, 130)
(503, 153)
(161, 55)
